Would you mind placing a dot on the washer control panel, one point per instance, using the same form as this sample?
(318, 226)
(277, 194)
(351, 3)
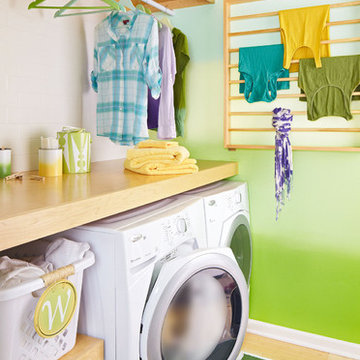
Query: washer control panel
(162, 234)
(176, 229)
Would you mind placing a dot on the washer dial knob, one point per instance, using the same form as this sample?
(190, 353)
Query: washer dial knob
(181, 226)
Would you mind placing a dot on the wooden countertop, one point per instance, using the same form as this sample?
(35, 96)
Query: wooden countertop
(31, 209)
(86, 348)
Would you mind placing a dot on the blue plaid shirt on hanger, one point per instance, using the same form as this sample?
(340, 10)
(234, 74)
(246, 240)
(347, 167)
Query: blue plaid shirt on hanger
(126, 63)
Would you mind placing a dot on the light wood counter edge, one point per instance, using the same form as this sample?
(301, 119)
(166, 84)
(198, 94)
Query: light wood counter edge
(42, 222)
(86, 348)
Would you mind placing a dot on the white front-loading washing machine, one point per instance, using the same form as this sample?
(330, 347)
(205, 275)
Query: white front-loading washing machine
(156, 292)
(227, 219)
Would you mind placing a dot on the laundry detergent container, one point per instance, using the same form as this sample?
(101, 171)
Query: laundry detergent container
(18, 337)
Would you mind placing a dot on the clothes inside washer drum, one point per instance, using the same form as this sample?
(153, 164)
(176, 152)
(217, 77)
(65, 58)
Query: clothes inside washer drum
(206, 297)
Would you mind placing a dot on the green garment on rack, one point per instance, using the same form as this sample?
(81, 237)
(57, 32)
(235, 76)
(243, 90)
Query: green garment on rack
(182, 59)
(329, 89)
(354, 97)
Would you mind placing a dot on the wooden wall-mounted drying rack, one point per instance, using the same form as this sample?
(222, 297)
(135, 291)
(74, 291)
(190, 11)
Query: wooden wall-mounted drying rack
(228, 66)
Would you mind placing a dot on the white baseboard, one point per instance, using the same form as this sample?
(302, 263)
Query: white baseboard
(305, 339)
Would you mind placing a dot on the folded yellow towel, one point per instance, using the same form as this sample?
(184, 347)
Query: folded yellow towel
(157, 144)
(188, 166)
(141, 157)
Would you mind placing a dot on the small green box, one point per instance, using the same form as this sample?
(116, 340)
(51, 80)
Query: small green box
(75, 143)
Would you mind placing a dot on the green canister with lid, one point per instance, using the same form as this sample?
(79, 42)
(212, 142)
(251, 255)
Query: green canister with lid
(5, 162)
(75, 143)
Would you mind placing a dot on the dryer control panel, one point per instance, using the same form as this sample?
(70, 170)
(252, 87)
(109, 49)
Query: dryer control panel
(221, 206)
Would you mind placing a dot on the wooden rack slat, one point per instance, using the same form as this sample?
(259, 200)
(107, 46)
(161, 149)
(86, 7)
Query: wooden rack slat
(334, 41)
(279, 96)
(226, 72)
(242, 113)
(272, 30)
(284, 96)
(236, 2)
(233, 66)
(254, 32)
(350, 130)
(305, 148)
(274, 13)
(232, 82)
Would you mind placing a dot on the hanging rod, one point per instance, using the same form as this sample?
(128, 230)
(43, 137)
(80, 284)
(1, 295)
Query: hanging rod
(273, 30)
(274, 13)
(160, 7)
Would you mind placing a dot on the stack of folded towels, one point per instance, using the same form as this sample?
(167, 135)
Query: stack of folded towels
(152, 157)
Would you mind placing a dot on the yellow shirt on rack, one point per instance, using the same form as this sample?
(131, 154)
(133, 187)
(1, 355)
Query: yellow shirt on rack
(302, 31)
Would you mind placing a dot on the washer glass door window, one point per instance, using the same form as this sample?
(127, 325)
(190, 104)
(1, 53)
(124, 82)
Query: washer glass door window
(203, 319)
(197, 310)
(240, 244)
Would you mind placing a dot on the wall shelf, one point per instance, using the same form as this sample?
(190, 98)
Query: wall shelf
(178, 4)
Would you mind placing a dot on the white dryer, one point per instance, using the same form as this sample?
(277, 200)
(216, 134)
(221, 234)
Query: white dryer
(156, 292)
(227, 219)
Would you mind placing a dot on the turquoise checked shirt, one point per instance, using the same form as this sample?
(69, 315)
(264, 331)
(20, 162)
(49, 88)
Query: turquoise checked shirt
(126, 63)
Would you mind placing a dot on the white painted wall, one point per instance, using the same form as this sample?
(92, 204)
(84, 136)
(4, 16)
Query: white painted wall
(44, 80)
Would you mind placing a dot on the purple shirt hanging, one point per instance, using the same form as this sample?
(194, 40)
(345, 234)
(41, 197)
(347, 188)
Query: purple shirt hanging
(282, 119)
(161, 114)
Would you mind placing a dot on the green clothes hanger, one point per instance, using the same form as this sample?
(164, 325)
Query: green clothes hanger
(144, 9)
(37, 5)
(112, 5)
(69, 6)
(141, 7)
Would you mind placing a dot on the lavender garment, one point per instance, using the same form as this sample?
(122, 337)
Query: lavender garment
(282, 119)
(161, 113)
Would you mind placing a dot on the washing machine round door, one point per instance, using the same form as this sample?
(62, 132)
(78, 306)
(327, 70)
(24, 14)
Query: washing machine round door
(198, 309)
(236, 234)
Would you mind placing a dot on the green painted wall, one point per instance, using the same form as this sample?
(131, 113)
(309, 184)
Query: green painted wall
(306, 266)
